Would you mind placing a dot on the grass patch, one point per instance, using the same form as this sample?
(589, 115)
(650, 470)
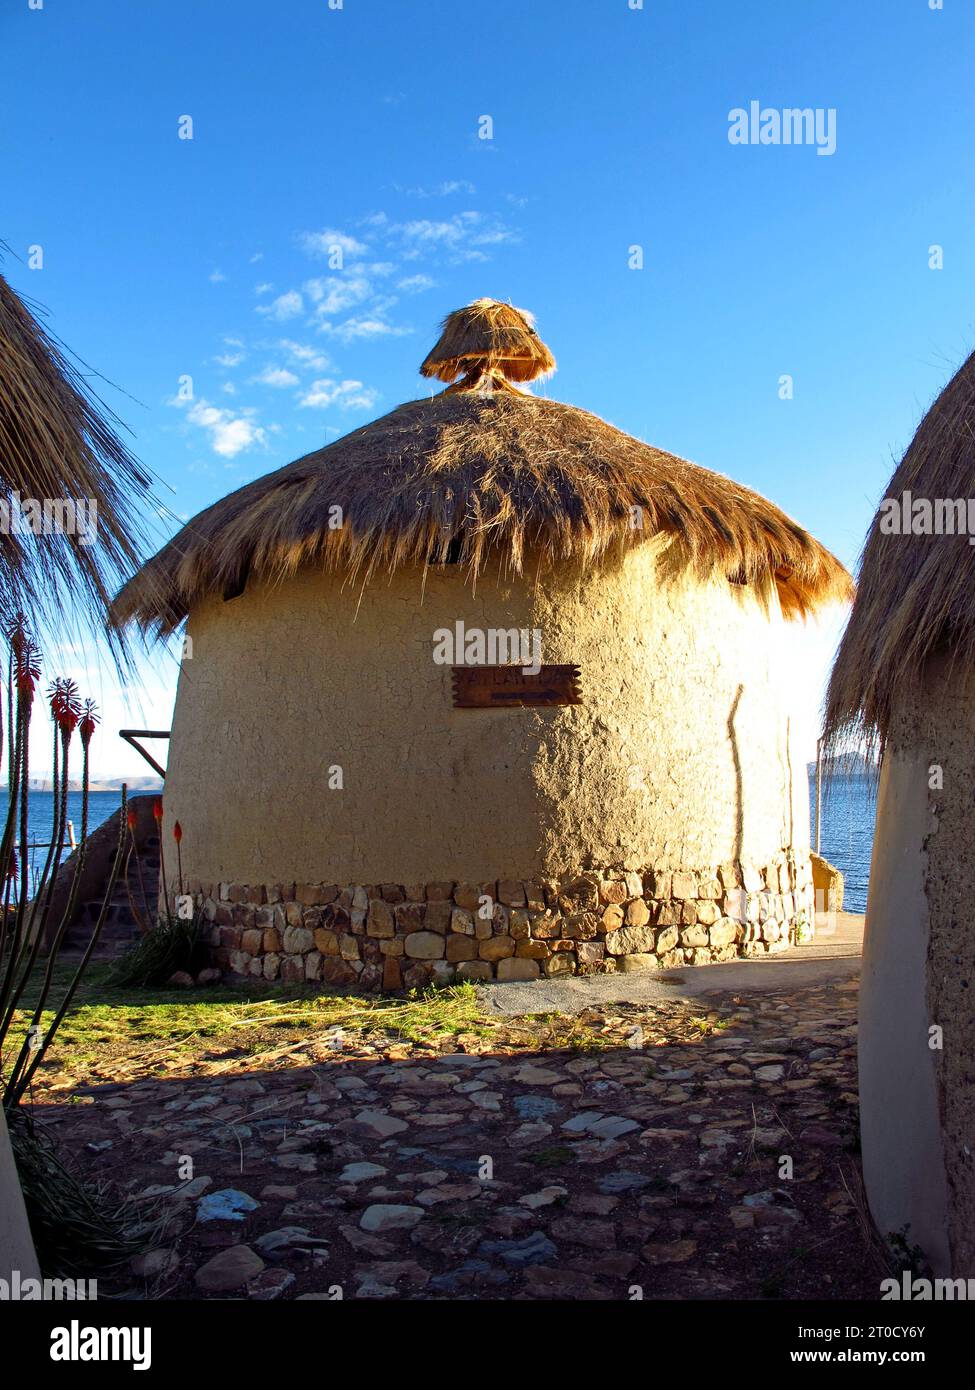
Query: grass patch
(710, 1027)
(558, 1032)
(144, 1030)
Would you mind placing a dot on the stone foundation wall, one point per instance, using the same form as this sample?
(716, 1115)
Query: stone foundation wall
(394, 936)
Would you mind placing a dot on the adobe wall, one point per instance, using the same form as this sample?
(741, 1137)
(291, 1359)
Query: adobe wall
(900, 1126)
(679, 757)
(18, 1258)
(917, 1024)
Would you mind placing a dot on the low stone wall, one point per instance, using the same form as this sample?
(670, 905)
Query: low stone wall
(393, 936)
(828, 884)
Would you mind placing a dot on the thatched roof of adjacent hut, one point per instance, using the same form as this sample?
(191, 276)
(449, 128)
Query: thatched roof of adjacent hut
(488, 339)
(58, 444)
(915, 592)
(473, 475)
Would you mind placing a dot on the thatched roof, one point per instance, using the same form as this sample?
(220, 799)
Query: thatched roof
(488, 339)
(483, 476)
(58, 444)
(916, 592)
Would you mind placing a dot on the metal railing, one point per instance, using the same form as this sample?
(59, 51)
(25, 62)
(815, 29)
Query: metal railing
(46, 844)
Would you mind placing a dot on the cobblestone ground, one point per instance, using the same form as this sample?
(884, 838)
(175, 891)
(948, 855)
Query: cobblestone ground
(696, 1149)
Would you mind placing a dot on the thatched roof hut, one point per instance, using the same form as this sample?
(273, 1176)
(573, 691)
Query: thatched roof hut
(487, 477)
(324, 602)
(60, 456)
(916, 589)
(904, 681)
(488, 339)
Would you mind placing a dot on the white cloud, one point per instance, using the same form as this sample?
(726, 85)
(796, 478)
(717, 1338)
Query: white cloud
(265, 287)
(307, 356)
(357, 328)
(350, 395)
(332, 295)
(415, 284)
(257, 256)
(276, 376)
(423, 229)
(229, 388)
(229, 359)
(229, 434)
(286, 306)
(459, 237)
(216, 276)
(323, 243)
(443, 190)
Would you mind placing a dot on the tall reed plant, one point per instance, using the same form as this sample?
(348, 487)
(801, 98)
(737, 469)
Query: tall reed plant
(26, 924)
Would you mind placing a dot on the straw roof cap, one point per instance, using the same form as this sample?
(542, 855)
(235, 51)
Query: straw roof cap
(488, 339)
(471, 475)
(916, 591)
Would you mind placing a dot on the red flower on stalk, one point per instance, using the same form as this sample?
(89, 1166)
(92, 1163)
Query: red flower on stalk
(16, 633)
(132, 819)
(89, 718)
(27, 666)
(157, 810)
(177, 831)
(65, 705)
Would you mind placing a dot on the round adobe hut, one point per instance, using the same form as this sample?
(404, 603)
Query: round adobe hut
(359, 805)
(904, 682)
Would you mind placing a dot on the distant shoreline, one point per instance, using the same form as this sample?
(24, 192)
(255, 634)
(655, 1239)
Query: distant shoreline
(136, 786)
(853, 766)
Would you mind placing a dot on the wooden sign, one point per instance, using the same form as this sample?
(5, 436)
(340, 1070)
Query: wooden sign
(499, 687)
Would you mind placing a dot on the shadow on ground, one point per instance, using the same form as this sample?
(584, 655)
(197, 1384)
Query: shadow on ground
(703, 1150)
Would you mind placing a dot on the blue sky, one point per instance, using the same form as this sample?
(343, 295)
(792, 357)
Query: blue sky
(166, 258)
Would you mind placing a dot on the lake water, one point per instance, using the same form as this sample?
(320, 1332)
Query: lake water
(849, 806)
(41, 807)
(849, 810)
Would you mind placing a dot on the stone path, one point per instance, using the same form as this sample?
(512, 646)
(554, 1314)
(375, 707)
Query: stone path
(834, 956)
(700, 1149)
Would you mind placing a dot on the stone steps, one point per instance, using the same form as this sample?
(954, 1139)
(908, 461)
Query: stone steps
(121, 929)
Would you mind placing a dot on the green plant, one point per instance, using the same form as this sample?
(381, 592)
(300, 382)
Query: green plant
(907, 1256)
(25, 922)
(173, 944)
(804, 929)
(78, 1226)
